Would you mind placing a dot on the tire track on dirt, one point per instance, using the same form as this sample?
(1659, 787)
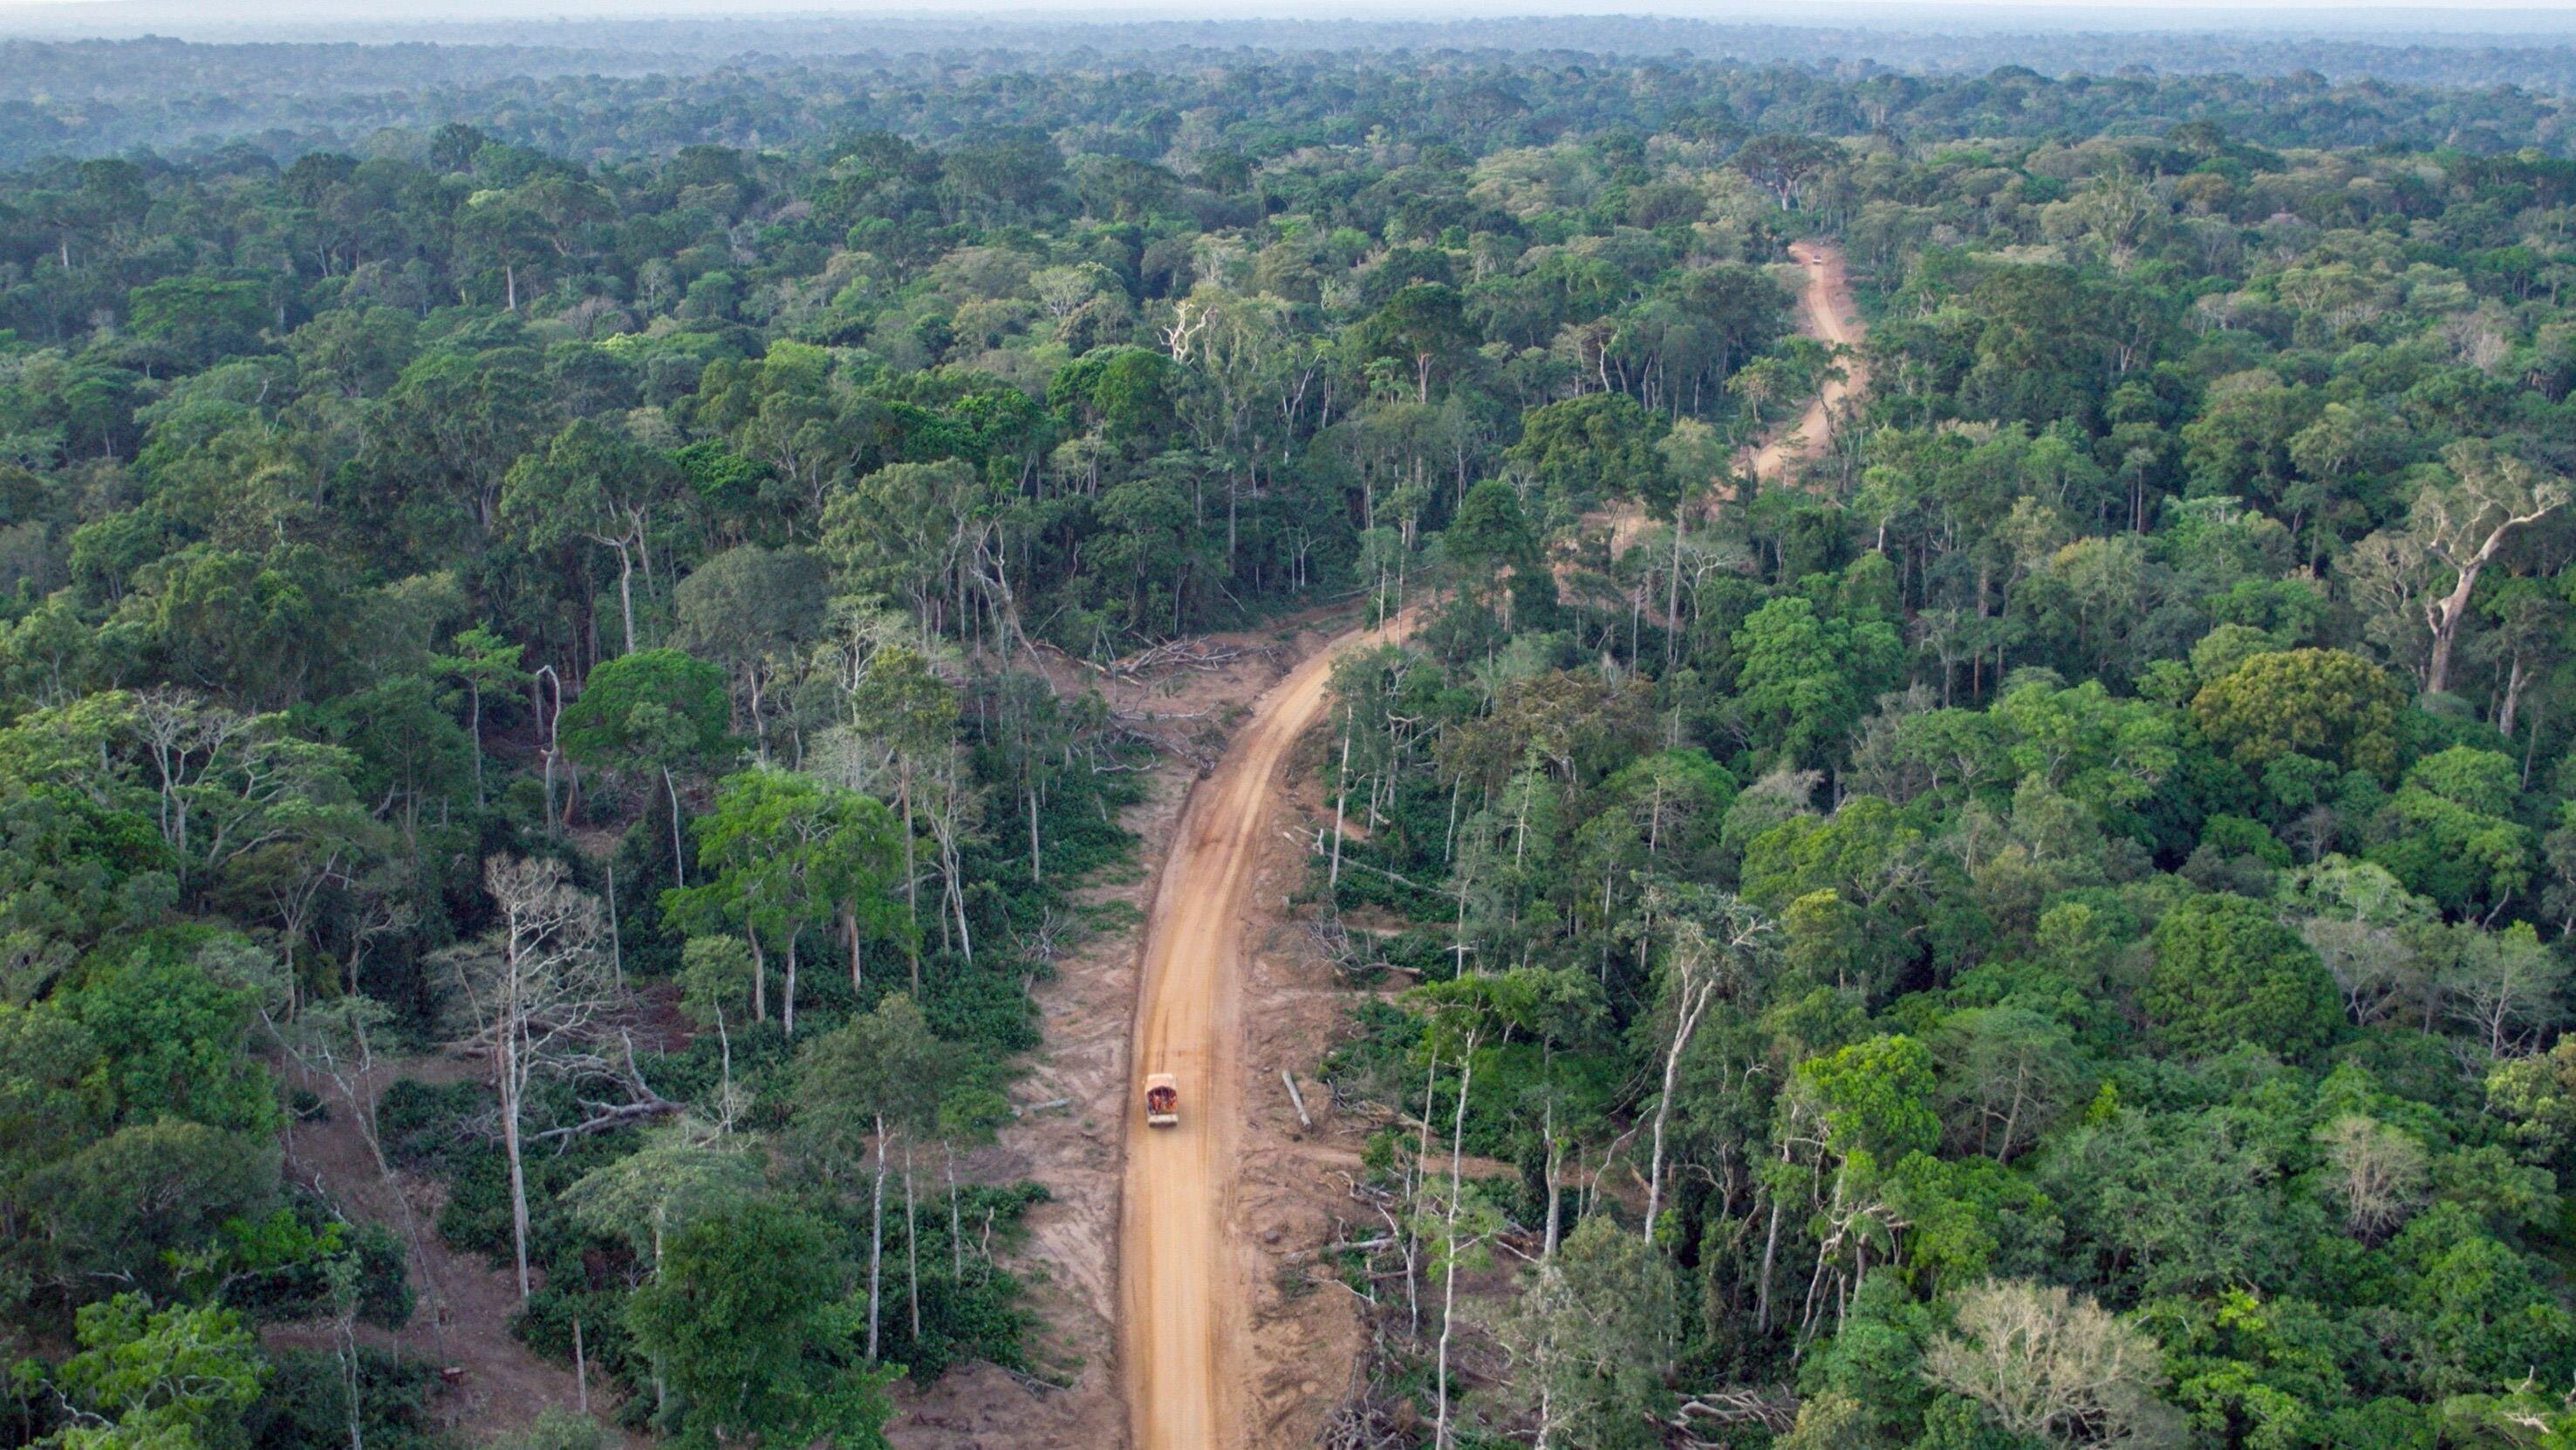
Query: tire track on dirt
(1181, 1311)
(1825, 313)
(1181, 1306)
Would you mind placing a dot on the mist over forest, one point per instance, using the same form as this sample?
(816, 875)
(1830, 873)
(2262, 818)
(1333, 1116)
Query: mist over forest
(608, 90)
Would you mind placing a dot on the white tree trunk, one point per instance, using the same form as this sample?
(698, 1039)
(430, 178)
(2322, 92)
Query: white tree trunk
(1440, 1437)
(787, 1004)
(626, 592)
(513, 1090)
(1341, 797)
(1555, 1170)
(876, 1241)
(679, 843)
(1692, 1004)
(911, 1245)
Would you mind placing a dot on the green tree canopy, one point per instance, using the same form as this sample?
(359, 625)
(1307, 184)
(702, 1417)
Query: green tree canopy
(746, 1324)
(2226, 971)
(656, 708)
(2327, 703)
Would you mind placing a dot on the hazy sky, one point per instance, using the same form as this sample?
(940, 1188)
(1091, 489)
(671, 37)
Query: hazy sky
(1825, 11)
(2541, 21)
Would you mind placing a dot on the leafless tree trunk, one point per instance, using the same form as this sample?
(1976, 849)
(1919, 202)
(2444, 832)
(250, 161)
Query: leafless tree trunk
(956, 1226)
(1555, 1171)
(537, 989)
(625, 584)
(679, 839)
(1695, 967)
(1690, 1004)
(1341, 798)
(342, 1275)
(945, 824)
(911, 1245)
(876, 1240)
(787, 987)
(1440, 1438)
(1770, 1256)
(537, 684)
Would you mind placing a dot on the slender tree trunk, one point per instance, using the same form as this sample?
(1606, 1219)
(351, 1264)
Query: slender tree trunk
(474, 693)
(1693, 1001)
(956, 873)
(1770, 1255)
(513, 1090)
(626, 593)
(1546, 1439)
(911, 1245)
(850, 933)
(1673, 591)
(348, 1327)
(1421, 1178)
(2531, 745)
(2012, 1127)
(554, 727)
(956, 1227)
(876, 1240)
(1440, 1438)
(911, 883)
(1341, 798)
(787, 1002)
(679, 851)
(1555, 1196)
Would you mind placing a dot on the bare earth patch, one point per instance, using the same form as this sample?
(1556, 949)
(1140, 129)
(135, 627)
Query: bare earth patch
(462, 1319)
(1189, 702)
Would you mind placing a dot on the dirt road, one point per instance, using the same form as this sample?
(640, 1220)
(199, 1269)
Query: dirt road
(1181, 1306)
(1826, 313)
(1180, 1309)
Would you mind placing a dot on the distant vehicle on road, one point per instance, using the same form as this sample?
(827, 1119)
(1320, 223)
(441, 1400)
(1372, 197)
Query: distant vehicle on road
(1162, 1100)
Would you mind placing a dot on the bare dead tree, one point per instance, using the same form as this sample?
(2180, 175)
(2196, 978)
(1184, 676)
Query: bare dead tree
(538, 991)
(2463, 526)
(1704, 958)
(1773, 1407)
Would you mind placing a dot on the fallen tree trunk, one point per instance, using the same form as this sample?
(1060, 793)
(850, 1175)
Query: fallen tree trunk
(1774, 1407)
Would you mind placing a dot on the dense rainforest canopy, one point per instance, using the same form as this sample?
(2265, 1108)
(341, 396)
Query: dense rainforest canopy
(2046, 925)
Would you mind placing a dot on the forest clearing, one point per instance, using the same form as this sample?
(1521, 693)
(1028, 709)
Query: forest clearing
(1181, 1291)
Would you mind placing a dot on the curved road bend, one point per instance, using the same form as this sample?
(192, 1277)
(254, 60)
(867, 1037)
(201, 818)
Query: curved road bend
(1179, 1302)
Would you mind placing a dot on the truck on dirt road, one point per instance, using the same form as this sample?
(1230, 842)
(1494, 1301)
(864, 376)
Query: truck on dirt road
(1162, 1100)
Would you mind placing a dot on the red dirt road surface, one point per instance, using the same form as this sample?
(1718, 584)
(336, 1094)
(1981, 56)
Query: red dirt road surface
(1826, 313)
(1180, 1307)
